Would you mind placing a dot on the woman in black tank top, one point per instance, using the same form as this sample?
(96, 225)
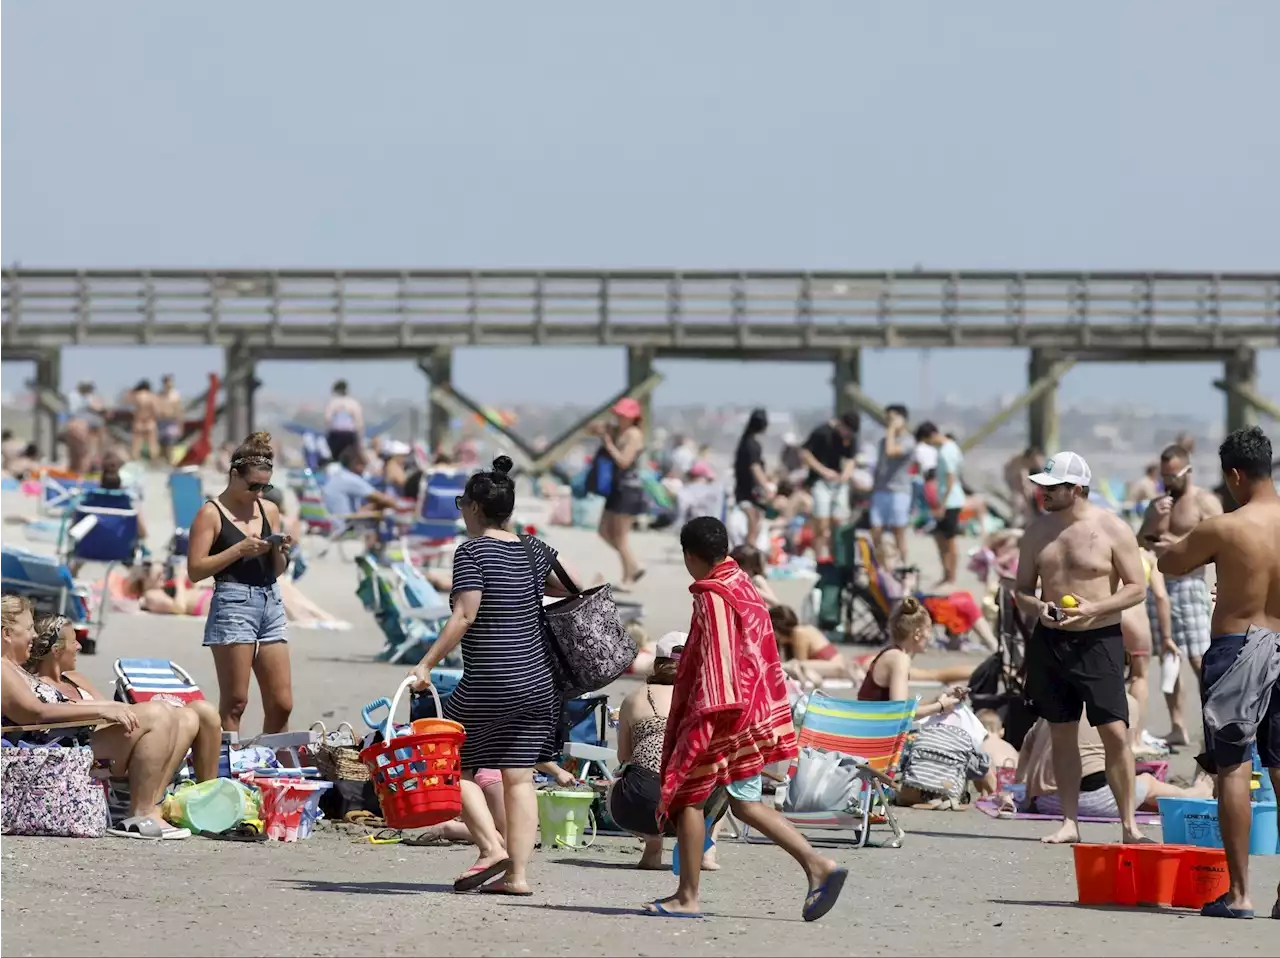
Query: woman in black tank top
(234, 542)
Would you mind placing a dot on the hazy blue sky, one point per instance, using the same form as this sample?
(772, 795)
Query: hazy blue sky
(744, 134)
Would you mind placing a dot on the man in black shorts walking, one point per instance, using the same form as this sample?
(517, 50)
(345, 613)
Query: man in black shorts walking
(1088, 569)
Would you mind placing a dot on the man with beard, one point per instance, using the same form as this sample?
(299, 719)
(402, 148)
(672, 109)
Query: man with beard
(1087, 566)
(1169, 519)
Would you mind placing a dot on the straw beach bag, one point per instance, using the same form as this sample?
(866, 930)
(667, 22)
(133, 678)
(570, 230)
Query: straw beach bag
(338, 762)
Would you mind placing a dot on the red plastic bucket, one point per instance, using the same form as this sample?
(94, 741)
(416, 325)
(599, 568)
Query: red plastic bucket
(1097, 869)
(1155, 873)
(1202, 877)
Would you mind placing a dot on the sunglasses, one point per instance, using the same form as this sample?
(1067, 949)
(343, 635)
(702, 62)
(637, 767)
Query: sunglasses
(458, 501)
(1173, 476)
(260, 487)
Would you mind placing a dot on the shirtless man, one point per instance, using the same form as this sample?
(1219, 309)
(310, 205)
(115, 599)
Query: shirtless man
(1245, 548)
(144, 429)
(1017, 472)
(1170, 518)
(1142, 492)
(1087, 565)
(169, 410)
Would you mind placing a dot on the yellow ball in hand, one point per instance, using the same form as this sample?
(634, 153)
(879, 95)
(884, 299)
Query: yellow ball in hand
(1069, 602)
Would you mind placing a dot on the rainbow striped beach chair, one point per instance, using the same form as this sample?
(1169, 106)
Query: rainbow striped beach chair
(873, 733)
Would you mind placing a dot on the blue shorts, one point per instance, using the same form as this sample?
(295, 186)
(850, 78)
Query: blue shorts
(890, 510)
(747, 789)
(242, 614)
(1220, 656)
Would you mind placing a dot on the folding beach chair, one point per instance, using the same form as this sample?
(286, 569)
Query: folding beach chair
(186, 496)
(408, 610)
(871, 733)
(101, 526)
(585, 731)
(435, 528)
(144, 680)
(50, 586)
(59, 490)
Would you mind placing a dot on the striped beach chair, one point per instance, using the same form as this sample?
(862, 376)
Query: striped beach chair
(874, 733)
(142, 680)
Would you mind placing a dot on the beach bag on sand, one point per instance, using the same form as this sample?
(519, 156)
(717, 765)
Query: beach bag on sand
(589, 645)
(941, 760)
(823, 782)
(49, 791)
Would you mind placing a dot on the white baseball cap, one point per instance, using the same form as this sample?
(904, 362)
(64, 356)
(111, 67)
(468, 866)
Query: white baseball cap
(1064, 468)
(668, 644)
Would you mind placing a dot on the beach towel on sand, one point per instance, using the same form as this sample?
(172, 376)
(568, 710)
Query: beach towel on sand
(729, 712)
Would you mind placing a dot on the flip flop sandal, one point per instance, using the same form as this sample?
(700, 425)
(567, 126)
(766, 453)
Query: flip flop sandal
(139, 827)
(1218, 908)
(656, 909)
(823, 898)
(476, 876)
(425, 840)
(241, 833)
(500, 888)
(384, 836)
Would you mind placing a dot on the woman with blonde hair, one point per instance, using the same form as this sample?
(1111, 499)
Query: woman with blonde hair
(889, 674)
(237, 540)
(142, 743)
(53, 661)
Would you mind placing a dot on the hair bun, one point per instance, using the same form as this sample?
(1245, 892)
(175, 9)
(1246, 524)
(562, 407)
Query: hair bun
(910, 605)
(502, 465)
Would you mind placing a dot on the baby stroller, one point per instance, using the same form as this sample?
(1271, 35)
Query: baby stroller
(999, 682)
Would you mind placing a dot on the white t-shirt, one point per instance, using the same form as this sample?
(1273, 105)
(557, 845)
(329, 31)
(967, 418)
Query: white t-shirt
(926, 457)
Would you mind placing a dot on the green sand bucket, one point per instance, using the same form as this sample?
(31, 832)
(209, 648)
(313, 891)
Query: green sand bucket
(564, 816)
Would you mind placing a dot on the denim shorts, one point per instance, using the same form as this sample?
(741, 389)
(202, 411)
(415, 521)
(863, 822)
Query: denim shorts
(890, 509)
(240, 614)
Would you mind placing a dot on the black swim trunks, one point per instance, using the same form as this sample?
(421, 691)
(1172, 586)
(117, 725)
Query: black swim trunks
(1073, 672)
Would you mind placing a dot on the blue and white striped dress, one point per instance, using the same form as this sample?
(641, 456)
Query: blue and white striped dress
(507, 700)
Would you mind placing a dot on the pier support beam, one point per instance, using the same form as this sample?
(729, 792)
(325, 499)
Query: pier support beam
(48, 403)
(1240, 379)
(1042, 424)
(848, 373)
(1045, 386)
(438, 367)
(240, 384)
(640, 370)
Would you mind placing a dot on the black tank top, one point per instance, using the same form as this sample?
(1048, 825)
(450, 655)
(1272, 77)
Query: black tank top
(249, 570)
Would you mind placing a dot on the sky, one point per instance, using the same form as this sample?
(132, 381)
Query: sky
(811, 135)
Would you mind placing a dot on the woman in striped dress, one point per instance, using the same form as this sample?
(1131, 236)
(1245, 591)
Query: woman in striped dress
(508, 700)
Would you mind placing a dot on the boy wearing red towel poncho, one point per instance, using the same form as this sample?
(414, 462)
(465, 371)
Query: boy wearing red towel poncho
(729, 718)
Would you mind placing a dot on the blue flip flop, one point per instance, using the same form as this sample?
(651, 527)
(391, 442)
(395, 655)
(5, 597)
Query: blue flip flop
(823, 898)
(658, 911)
(1218, 908)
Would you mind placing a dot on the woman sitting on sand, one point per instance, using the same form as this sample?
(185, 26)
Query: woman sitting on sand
(642, 725)
(889, 673)
(808, 655)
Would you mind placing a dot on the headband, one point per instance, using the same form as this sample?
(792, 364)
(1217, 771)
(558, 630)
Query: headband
(252, 461)
(46, 640)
